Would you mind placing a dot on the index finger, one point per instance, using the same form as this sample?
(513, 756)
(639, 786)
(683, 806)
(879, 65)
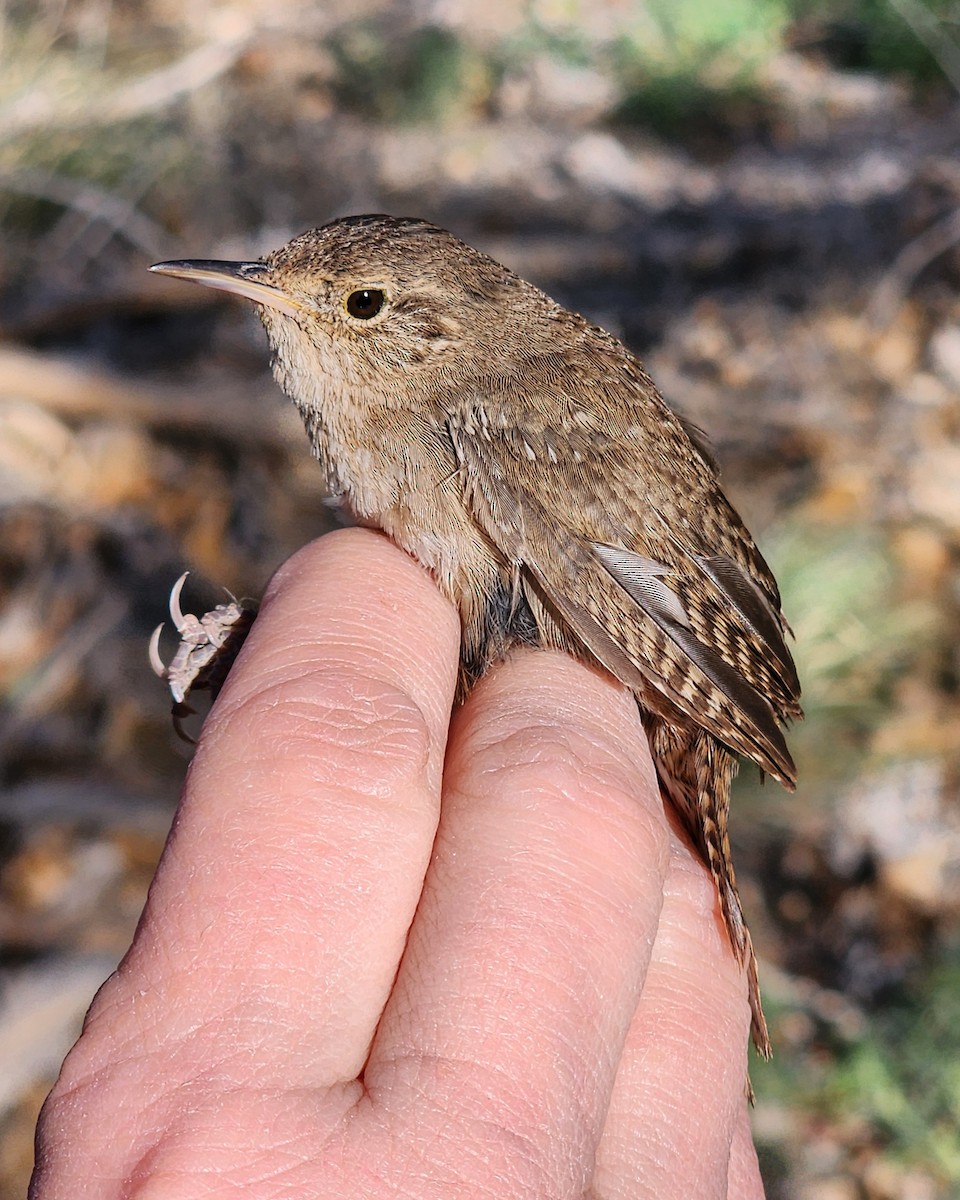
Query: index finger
(296, 861)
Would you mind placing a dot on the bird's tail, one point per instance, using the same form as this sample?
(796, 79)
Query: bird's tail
(695, 773)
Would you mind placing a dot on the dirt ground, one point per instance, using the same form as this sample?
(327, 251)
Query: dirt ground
(786, 263)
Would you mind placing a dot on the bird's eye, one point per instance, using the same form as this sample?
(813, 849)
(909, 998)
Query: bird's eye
(365, 303)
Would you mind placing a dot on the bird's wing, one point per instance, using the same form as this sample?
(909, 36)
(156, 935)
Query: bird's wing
(675, 602)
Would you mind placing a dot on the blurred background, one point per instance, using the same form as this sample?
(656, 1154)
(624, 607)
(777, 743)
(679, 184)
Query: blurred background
(762, 197)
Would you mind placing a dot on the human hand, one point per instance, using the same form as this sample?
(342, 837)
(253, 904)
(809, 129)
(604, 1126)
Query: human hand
(341, 987)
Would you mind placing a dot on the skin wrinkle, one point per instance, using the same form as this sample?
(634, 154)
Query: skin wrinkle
(193, 1083)
(657, 1159)
(370, 624)
(509, 977)
(263, 1003)
(510, 894)
(686, 938)
(568, 763)
(559, 805)
(528, 863)
(346, 966)
(298, 662)
(316, 1122)
(461, 1089)
(115, 1000)
(335, 711)
(558, 787)
(517, 735)
(464, 1082)
(394, 720)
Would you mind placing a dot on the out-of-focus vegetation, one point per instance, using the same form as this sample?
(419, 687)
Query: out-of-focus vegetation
(761, 197)
(904, 38)
(880, 1097)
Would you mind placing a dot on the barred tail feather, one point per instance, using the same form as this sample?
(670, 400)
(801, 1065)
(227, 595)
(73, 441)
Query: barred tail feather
(695, 773)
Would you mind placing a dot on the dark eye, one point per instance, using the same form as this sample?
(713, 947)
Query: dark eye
(365, 304)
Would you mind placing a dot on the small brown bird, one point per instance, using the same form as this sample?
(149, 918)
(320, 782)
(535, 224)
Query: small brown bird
(528, 461)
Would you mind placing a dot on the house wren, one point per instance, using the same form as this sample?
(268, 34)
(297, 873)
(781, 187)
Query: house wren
(528, 461)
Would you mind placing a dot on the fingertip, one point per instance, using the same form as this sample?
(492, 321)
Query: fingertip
(355, 599)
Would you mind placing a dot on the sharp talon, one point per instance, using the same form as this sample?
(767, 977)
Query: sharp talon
(182, 733)
(176, 613)
(180, 712)
(156, 662)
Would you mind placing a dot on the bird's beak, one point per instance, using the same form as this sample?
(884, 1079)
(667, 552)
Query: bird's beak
(247, 279)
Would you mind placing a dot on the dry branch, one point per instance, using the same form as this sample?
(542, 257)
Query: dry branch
(44, 110)
(122, 216)
(245, 412)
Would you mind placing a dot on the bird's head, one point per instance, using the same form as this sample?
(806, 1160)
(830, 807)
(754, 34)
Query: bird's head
(379, 303)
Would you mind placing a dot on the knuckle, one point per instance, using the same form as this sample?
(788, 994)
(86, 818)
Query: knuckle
(346, 731)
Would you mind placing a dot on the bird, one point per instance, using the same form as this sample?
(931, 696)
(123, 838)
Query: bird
(525, 457)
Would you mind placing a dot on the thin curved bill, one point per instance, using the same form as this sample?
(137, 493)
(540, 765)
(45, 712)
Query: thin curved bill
(241, 278)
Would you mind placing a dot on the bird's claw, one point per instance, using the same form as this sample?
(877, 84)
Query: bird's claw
(208, 647)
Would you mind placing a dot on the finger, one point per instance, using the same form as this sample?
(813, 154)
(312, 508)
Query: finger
(743, 1178)
(527, 954)
(281, 906)
(680, 1093)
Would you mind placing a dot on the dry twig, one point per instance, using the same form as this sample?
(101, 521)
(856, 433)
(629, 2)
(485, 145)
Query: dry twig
(42, 110)
(243, 412)
(121, 215)
(935, 240)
